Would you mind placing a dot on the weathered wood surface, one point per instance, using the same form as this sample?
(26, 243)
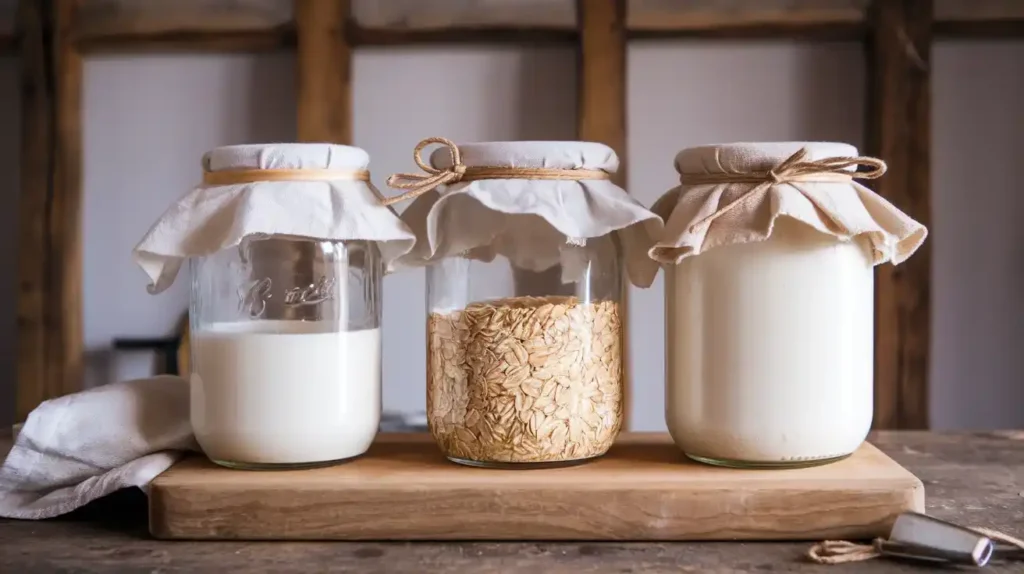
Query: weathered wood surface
(50, 348)
(899, 111)
(380, 497)
(975, 479)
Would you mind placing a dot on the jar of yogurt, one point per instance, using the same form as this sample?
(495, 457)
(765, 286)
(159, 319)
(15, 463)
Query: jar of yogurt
(768, 254)
(287, 244)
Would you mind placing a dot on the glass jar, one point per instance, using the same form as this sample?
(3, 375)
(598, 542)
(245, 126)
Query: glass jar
(525, 369)
(287, 245)
(769, 299)
(769, 349)
(286, 351)
(523, 244)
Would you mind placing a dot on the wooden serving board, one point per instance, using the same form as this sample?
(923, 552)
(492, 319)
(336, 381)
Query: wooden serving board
(644, 489)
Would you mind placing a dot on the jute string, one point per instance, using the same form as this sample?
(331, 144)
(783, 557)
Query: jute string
(843, 552)
(416, 184)
(240, 176)
(793, 169)
(236, 176)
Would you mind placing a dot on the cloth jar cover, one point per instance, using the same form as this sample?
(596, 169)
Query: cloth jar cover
(529, 220)
(215, 217)
(696, 221)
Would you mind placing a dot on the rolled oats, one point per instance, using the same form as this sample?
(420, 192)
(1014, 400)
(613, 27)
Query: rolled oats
(525, 380)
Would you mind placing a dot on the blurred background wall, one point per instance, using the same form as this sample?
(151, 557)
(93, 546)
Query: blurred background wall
(148, 119)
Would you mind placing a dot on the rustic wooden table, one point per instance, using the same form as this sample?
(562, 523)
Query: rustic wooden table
(975, 479)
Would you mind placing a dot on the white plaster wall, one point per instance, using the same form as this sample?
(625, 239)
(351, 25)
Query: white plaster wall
(465, 94)
(148, 120)
(977, 369)
(689, 93)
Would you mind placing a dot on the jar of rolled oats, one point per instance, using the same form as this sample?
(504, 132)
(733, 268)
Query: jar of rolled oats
(523, 243)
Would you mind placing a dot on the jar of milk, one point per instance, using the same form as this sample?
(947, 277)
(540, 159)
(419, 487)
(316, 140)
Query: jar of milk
(288, 244)
(524, 327)
(768, 253)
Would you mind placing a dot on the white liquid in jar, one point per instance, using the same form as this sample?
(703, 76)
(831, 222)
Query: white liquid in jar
(769, 350)
(284, 392)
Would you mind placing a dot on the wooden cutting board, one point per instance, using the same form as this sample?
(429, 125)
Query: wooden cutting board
(644, 489)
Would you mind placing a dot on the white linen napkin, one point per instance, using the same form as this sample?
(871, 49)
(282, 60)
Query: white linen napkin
(80, 447)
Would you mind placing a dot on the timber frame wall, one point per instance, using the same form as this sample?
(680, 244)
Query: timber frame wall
(51, 39)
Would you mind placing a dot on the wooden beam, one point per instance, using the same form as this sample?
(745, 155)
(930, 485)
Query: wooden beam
(325, 71)
(810, 31)
(361, 36)
(184, 25)
(50, 349)
(602, 76)
(271, 39)
(267, 25)
(601, 96)
(899, 131)
(980, 29)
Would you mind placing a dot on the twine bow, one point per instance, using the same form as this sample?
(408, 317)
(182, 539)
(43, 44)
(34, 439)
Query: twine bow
(417, 184)
(794, 168)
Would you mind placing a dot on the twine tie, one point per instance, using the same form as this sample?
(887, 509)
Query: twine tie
(243, 176)
(794, 168)
(416, 184)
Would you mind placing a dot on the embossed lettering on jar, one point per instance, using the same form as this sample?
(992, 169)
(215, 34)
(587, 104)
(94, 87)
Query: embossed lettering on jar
(768, 254)
(524, 334)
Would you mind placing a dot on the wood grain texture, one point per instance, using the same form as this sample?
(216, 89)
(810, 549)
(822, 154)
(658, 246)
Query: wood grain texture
(601, 97)
(324, 71)
(899, 132)
(972, 478)
(644, 489)
(50, 349)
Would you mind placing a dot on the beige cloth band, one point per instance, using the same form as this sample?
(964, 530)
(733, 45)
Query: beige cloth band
(794, 169)
(237, 176)
(419, 183)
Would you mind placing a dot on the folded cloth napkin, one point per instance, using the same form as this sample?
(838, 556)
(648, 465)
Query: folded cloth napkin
(80, 447)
